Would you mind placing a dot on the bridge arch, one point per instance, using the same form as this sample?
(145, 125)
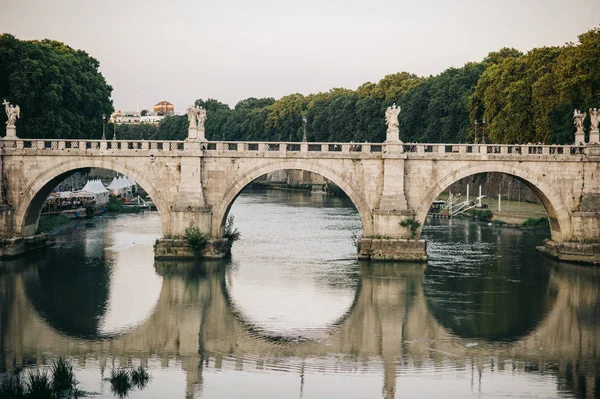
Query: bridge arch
(28, 208)
(233, 190)
(558, 214)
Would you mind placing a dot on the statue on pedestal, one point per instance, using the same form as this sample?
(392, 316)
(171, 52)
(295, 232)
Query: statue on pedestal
(391, 117)
(192, 113)
(197, 117)
(578, 119)
(201, 118)
(595, 119)
(13, 112)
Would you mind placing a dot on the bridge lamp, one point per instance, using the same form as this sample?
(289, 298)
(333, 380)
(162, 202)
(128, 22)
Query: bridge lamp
(304, 120)
(103, 127)
(483, 131)
(475, 131)
(115, 130)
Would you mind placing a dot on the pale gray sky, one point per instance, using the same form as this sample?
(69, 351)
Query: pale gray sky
(181, 50)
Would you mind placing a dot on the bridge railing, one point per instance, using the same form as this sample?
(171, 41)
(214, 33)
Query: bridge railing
(91, 145)
(496, 149)
(291, 148)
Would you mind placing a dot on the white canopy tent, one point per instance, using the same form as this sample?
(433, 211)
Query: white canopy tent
(122, 186)
(98, 190)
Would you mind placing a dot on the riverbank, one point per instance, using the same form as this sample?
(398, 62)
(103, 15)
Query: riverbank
(507, 213)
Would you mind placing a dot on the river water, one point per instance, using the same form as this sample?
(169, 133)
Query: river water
(293, 314)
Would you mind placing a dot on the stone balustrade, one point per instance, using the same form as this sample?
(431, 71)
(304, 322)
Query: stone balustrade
(289, 149)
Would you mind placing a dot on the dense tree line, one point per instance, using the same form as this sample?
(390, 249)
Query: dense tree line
(59, 89)
(523, 98)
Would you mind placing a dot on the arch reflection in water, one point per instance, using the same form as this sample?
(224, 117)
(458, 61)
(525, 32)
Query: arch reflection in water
(389, 330)
(88, 287)
(487, 283)
(389, 333)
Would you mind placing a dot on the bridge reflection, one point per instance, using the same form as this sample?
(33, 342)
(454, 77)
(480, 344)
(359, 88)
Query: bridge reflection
(394, 323)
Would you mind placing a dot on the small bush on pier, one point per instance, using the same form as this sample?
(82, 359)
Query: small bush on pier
(231, 232)
(195, 238)
(413, 225)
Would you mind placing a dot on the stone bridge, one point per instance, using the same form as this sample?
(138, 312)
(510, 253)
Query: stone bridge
(390, 323)
(197, 181)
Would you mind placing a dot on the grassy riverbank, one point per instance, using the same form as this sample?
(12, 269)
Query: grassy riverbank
(49, 223)
(526, 215)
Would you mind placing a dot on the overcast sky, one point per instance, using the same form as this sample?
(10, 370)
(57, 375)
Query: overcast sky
(181, 50)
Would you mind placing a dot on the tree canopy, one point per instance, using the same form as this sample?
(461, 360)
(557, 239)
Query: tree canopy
(524, 97)
(60, 90)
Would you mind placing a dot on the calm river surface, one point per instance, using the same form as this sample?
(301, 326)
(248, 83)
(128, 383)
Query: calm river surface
(293, 314)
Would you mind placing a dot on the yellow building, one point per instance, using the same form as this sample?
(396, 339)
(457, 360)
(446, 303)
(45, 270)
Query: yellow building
(164, 108)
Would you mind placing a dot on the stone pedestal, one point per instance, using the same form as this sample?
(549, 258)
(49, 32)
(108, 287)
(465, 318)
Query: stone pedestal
(594, 137)
(392, 136)
(390, 249)
(11, 133)
(196, 134)
(579, 138)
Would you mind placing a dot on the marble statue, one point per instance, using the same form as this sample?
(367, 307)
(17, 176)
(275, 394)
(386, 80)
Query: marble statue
(578, 119)
(13, 112)
(201, 118)
(192, 113)
(595, 119)
(391, 117)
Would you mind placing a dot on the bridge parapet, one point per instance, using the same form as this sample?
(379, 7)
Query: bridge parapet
(291, 149)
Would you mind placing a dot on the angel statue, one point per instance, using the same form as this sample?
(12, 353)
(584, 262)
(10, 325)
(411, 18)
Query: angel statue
(594, 118)
(201, 118)
(13, 112)
(578, 118)
(391, 117)
(192, 113)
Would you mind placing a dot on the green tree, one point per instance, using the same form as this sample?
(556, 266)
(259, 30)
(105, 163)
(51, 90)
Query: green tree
(60, 90)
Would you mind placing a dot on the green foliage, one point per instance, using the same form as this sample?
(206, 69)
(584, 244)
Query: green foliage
(38, 383)
(536, 223)
(195, 238)
(229, 231)
(63, 377)
(12, 387)
(124, 379)
(413, 225)
(484, 215)
(60, 90)
(47, 223)
(120, 381)
(530, 97)
(524, 97)
(140, 376)
(115, 205)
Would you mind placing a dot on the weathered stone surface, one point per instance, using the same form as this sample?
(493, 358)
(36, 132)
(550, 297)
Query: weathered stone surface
(13, 247)
(389, 249)
(166, 249)
(579, 252)
(387, 183)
